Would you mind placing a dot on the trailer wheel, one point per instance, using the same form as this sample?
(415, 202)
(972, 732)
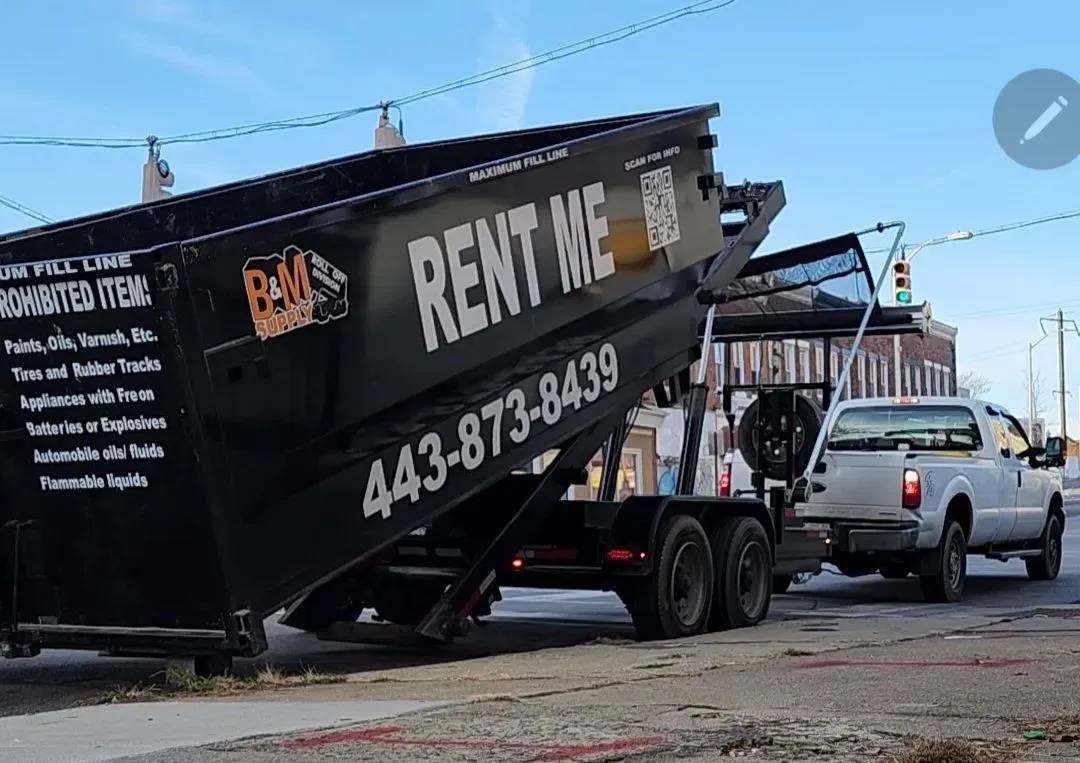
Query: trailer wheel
(744, 583)
(676, 599)
(807, 419)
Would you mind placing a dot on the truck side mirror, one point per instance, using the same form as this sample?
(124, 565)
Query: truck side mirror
(1055, 451)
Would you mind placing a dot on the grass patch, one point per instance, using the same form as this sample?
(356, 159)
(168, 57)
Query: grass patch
(949, 751)
(179, 683)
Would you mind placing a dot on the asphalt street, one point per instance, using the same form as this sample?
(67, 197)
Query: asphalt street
(535, 618)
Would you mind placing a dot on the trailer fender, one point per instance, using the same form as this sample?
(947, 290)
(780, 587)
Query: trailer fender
(639, 517)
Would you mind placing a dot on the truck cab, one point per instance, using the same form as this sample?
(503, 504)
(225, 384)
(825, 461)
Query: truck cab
(913, 485)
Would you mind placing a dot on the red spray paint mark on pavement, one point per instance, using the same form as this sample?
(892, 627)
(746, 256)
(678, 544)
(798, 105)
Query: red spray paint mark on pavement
(875, 664)
(545, 752)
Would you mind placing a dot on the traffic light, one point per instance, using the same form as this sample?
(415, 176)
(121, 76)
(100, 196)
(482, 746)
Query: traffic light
(156, 175)
(902, 282)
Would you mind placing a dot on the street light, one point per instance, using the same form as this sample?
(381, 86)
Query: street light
(960, 235)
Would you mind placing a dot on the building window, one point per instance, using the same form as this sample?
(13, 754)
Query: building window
(819, 363)
(755, 363)
(737, 362)
(847, 384)
(947, 379)
(918, 382)
(629, 480)
(908, 389)
(834, 366)
(885, 390)
(874, 364)
(862, 375)
(805, 373)
(789, 361)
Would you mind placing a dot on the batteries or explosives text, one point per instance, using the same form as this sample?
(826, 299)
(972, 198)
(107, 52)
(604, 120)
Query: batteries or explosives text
(423, 466)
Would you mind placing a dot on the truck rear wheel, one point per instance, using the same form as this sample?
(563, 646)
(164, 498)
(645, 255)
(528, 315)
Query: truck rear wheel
(1047, 565)
(946, 584)
(744, 584)
(676, 599)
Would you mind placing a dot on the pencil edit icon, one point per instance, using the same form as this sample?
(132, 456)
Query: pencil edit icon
(1037, 119)
(1049, 115)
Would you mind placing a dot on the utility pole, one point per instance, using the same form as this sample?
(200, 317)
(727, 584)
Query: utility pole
(1061, 373)
(1061, 325)
(386, 135)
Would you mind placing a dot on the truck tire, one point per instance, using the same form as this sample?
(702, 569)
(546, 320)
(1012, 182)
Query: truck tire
(1047, 565)
(744, 583)
(946, 584)
(808, 417)
(781, 583)
(675, 601)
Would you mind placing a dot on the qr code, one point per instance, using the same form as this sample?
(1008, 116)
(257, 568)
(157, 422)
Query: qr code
(661, 216)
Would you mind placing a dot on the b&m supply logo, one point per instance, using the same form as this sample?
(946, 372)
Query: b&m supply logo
(293, 289)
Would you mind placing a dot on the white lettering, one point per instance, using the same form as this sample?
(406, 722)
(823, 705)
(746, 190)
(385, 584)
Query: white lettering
(570, 241)
(425, 253)
(464, 276)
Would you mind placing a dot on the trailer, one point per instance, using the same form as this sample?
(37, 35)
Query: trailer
(255, 397)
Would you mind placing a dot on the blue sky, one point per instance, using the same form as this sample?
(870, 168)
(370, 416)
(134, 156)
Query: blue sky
(867, 110)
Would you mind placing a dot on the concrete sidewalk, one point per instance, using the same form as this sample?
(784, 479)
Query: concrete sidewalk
(814, 690)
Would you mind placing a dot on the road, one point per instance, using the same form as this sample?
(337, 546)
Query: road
(532, 618)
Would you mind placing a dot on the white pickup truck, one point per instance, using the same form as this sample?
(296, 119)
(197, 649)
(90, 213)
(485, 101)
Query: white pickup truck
(914, 485)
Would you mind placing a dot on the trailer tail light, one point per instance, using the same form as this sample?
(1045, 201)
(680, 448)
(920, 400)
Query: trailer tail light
(912, 493)
(624, 555)
(725, 481)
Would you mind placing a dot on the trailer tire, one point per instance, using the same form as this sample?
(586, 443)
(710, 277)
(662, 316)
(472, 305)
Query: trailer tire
(808, 417)
(683, 572)
(744, 561)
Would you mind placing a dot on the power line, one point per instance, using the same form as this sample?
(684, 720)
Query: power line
(1003, 228)
(316, 120)
(22, 209)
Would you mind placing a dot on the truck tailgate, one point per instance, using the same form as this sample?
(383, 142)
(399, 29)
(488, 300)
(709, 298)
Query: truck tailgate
(863, 484)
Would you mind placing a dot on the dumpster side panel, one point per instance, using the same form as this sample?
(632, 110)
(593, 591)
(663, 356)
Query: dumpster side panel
(103, 520)
(314, 329)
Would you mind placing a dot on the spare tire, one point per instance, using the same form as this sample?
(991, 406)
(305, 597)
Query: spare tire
(808, 419)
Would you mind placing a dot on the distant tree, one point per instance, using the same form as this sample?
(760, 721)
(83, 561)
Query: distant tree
(979, 386)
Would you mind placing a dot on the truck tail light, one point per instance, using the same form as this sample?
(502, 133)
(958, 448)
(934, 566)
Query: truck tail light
(725, 481)
(911, 498)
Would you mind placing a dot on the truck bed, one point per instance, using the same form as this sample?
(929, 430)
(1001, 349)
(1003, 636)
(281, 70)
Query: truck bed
(214, 403)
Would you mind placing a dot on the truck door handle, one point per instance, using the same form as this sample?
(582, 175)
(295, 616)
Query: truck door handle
(1019, 478)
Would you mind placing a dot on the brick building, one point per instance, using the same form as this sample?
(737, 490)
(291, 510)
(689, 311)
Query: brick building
(927, 363)
(649, 458)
